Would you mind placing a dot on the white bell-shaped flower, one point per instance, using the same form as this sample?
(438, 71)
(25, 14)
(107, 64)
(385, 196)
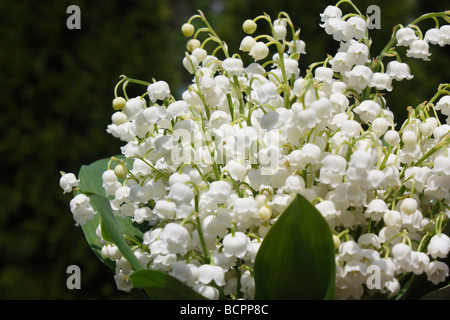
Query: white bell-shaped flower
(398, 70)
(235, 245)
(158, 91)
(68, 181)
(368, 110)
(444, 105)
(185, 272)
(419, 49)
(439, 246)
(432, 36)
(176, 238)
(233, 66)
(405, 36)
(81, 209)
(437, 272)
(444, 35)
(381, 81)
(208, 273)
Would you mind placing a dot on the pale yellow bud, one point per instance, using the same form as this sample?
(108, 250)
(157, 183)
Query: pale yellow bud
(187, 29)
(193, 44)
(265, 213)
(120, 171)
(119, 103)
(249, 26)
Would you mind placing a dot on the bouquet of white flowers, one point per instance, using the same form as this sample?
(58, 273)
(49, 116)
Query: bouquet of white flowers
(263, 182)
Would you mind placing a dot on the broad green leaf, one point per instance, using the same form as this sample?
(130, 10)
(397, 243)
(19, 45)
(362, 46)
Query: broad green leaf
(162, 286)
(439, 294)
(91, 184)
(102, 206)
(296, 259)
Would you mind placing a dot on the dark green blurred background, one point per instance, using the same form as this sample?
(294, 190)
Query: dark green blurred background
(56, 90)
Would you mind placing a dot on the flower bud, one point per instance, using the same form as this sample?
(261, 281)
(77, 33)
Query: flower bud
(119, 103)
(187, 29)
(391, 137)
(193, 44)
(408, 206)
(120, 171)
(265, 213)
(409, 138)
(119, 118)
(249, 26)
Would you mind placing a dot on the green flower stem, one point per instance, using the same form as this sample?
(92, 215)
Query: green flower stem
(350, 3)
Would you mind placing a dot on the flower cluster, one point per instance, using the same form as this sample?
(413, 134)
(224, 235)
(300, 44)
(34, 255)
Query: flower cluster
(210, 173)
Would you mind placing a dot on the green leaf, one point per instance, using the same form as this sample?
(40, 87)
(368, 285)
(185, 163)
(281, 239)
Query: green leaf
(296, 259)
(91, 184)
(439, 294)
(102, 206)
(162, 286)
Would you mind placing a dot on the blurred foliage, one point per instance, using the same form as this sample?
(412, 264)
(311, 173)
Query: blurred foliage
(57, 87)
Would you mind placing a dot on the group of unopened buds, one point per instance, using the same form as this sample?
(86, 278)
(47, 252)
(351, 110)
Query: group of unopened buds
(212, 171)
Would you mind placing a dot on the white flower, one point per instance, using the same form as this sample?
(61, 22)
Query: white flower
(432, 36)
(323, 74)
(111, 251)
(354, 273)
(331, 12)
(235, 245)
(81, 209)
(359, 77)
(259, 51)
(405, 36)
(368, 240)
(368, 110)
(133, 107)
(376, 209)
(341, 63)
(357, 53)
(185, 272)
(444, 35)
(233, 66)
(333, 169)
(437, 271)
(338, 28)
(439, 246)
(247, 44)
(158, 91)
(419, 49)
(165, 209)
(408, 206)
(392, 137)
(349, 250)
(381, 81)
(402, 255)
(279, 28)
(190, 63)
(357, 27)
(176, 238)
(68, 181)
(393, 218)
(176, 109)
(267, 92)
(207, 273)
(181, 193)
(398, 70)
(200, 54)
(123, 282)
(328, 209)
(444, 105)
(207, 291)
